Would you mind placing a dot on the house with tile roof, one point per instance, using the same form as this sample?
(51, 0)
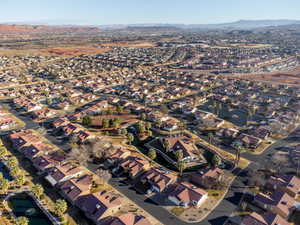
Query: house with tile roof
(119, 155)
(126, 219)
(186, 194)
(207, 178)
(36, 149)
(264, 219)
(289, 184)
(157, 180)
(184, 144)
(133, 166)
(276, 202)
(73, 188)
(97, 206)
(63, 172)
(46, 161)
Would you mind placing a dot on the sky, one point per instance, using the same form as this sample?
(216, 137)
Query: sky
(99, 12)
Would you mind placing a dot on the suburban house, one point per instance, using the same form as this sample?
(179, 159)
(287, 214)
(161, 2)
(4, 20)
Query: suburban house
(186, 194)
(102, 104)
(23, 137)
(126, 219)
(60, 122)
(202, 115)
(75, 116)
(46, 161)
(183, 144)
(84, 135)
(117, 157)
(227, 132)
(99, 205)
(36, 149)
(71, 128)
(264, 219)
(43, 113)
(170, 124)
(157, 180)
(260, 132)
(7, 122)
(289, 184)
(277, 202)
(63, 105)
(247, 141)
(133, 166)
(207, 178)
(32, 107)
(76, 187)
(63, 172)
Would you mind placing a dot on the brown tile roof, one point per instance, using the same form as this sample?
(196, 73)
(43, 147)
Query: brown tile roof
(134, 164)
(292, 183)
(186, 192)
(33, 150)
(264, 219)
(59, 172)
(277, 198)
(184, 144)
(75, 187)
(94, 205)
(158, 178)
(126, 219)
(46, 161)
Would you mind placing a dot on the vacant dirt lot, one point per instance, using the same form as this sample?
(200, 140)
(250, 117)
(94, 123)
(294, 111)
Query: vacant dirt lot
(62, 51)
(131, 44)
(13, 52)
(75, 51)
(292, 78)
(242, 45)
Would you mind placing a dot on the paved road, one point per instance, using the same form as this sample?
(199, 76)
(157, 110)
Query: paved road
(217, 217)
(30, 124)
(234, 195)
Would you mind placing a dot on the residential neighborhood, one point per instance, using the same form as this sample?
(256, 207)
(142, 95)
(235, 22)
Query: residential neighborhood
(150, 126)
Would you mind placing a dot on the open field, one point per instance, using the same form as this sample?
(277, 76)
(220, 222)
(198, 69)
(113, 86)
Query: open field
(75, 51)
(132, 44)
(20, 52)
(61, 51)
(292, 77)
(242, 45)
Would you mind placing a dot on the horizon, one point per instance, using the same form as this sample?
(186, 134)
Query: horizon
(51, 23)
(97, 13)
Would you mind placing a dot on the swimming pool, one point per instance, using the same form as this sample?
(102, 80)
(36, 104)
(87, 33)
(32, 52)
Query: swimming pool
(22, 204)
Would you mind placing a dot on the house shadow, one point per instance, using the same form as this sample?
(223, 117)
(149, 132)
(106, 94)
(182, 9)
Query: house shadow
(160, 199)
(218, 221)
(235, 199)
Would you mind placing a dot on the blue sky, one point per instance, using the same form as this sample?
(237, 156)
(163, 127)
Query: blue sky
(145, 11)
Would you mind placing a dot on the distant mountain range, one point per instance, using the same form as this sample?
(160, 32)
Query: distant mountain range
(17, 29)
(253, 24)
(241, 24)
(50, 26)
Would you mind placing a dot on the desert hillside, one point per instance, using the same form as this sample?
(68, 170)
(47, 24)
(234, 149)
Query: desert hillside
(13, 29)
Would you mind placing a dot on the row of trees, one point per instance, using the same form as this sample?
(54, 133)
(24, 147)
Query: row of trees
(106, 123)
(145, 127)
(37, 190)
(14, 170)
(181, 164)
(4, 184)
(60, 206)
